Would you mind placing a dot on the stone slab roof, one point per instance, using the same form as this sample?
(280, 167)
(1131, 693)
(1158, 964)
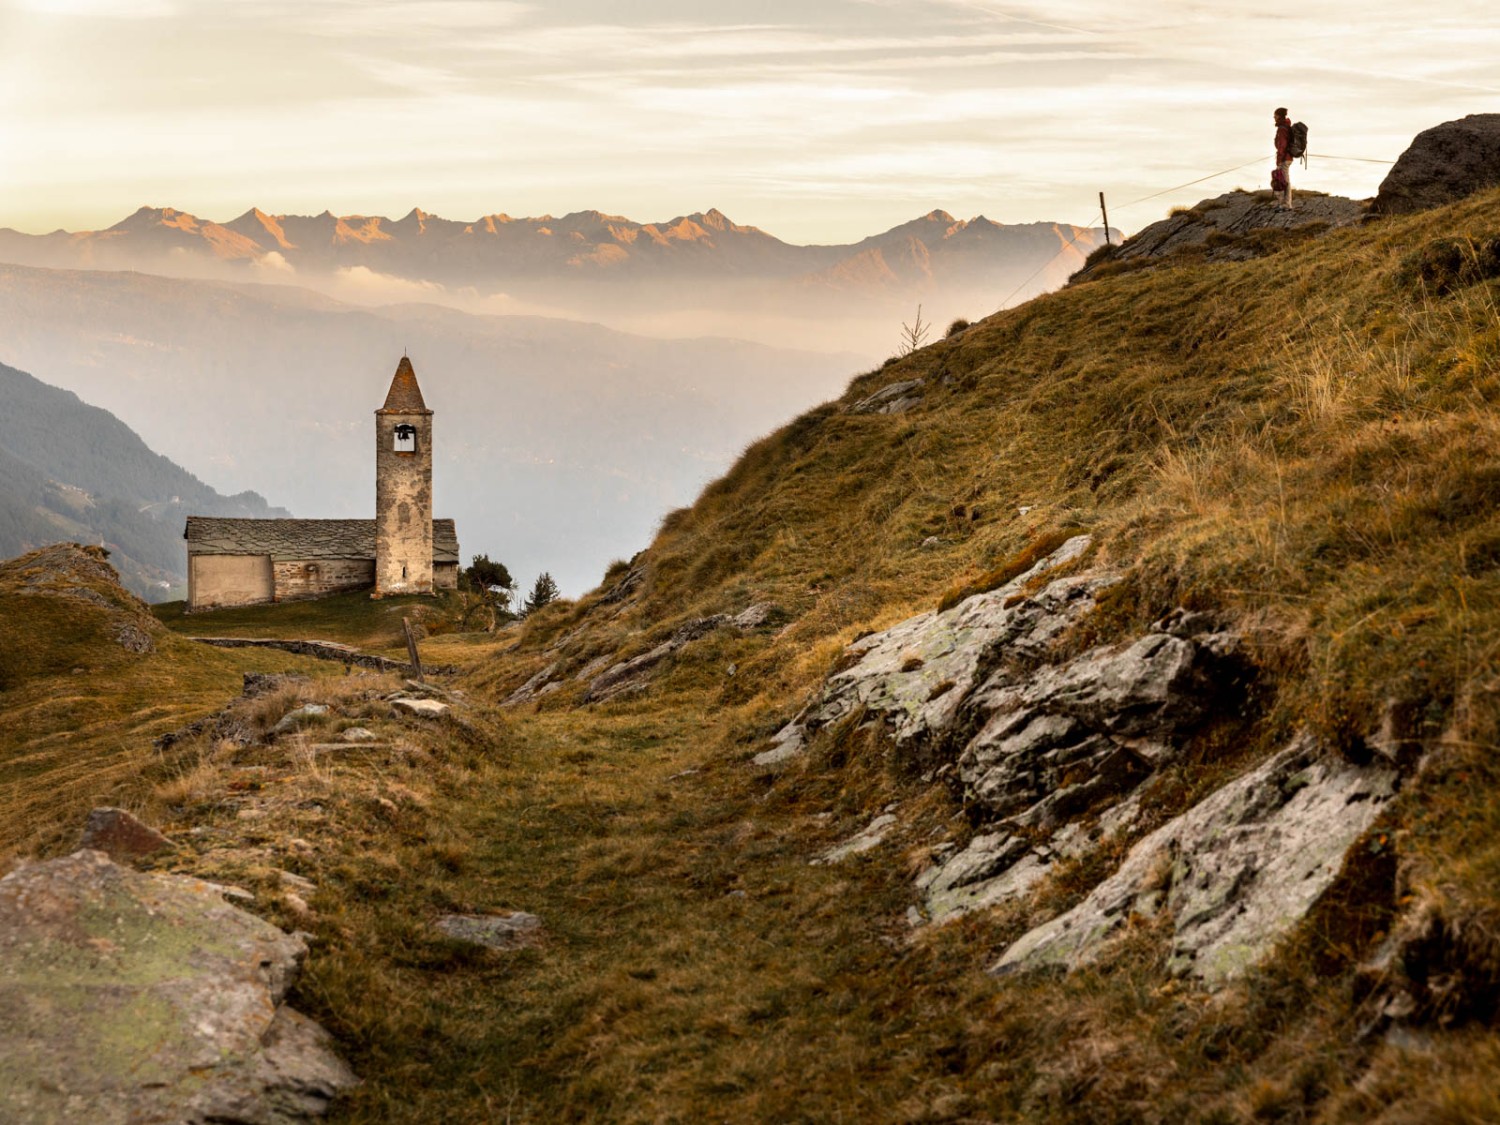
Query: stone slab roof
(404, 397)
(302, 539)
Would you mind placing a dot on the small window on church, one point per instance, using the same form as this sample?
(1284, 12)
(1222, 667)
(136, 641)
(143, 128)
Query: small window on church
(406, 438)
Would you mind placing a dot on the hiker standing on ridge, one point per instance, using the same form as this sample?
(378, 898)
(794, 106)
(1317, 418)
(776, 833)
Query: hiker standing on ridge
(1281, 182)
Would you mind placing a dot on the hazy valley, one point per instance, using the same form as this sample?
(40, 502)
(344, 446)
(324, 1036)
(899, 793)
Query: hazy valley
(559, 444)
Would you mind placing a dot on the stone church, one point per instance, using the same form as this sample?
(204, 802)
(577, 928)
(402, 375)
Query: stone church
(403, 550)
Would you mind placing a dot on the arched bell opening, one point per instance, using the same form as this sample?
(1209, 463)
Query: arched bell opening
(405, 438)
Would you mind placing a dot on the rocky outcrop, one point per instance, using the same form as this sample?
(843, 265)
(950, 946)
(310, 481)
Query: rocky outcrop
(1053, 740)
(1445, 163)
(897, 398)
(914, 678)
(631, 676)
(1224, 229)
(129, 997)
(1234, 873)
(76, 573)
(1054, 758)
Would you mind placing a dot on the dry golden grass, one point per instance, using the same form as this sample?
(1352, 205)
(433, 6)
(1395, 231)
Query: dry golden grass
(1305, 445)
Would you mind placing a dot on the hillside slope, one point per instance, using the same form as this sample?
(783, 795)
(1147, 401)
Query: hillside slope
(1090, 717)
(1297, 454)
(71, 471)
(89, 679)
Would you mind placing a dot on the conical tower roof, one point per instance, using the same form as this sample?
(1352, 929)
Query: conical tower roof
(405, 396)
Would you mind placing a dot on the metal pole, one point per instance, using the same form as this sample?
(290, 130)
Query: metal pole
(1105, 211)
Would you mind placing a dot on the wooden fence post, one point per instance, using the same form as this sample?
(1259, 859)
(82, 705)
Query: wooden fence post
(411, 648)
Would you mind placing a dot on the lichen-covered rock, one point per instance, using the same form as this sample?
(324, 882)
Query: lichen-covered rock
(1234, 873)
(128, 997)
(993, 867)
(868, 838)
(1445, 163)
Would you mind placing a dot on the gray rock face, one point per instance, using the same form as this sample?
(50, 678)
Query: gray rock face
(129, 997)
(1445, 163)
(915, 676)
(1053, 741)
(1034, 743)
(1234, 873)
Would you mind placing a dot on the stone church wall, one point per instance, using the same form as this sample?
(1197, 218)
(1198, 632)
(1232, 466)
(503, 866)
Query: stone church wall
(313, 578)
(445, 575)
(225, 580)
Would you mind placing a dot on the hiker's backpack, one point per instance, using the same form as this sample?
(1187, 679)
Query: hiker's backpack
(1296, 146)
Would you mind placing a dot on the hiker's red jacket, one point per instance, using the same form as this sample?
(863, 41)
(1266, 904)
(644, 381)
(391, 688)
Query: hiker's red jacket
(1283, 142)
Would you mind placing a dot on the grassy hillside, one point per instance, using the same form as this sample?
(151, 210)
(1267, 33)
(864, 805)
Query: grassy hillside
(448, 626)
(1305, 446)
(89, 679)
(72, 472)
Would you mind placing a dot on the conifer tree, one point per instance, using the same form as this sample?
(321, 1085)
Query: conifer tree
(543, 591)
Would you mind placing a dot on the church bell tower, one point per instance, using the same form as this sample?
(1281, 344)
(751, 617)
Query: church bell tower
(403, 488)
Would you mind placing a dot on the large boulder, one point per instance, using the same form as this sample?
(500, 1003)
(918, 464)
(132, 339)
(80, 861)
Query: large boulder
(128, 997)
(1444, 164)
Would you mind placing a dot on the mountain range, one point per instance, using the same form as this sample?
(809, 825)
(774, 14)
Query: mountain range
(739, 280)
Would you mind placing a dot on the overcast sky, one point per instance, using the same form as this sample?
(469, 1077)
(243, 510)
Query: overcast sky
(819, 120)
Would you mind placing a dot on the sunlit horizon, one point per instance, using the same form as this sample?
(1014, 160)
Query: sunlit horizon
(818, 123)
